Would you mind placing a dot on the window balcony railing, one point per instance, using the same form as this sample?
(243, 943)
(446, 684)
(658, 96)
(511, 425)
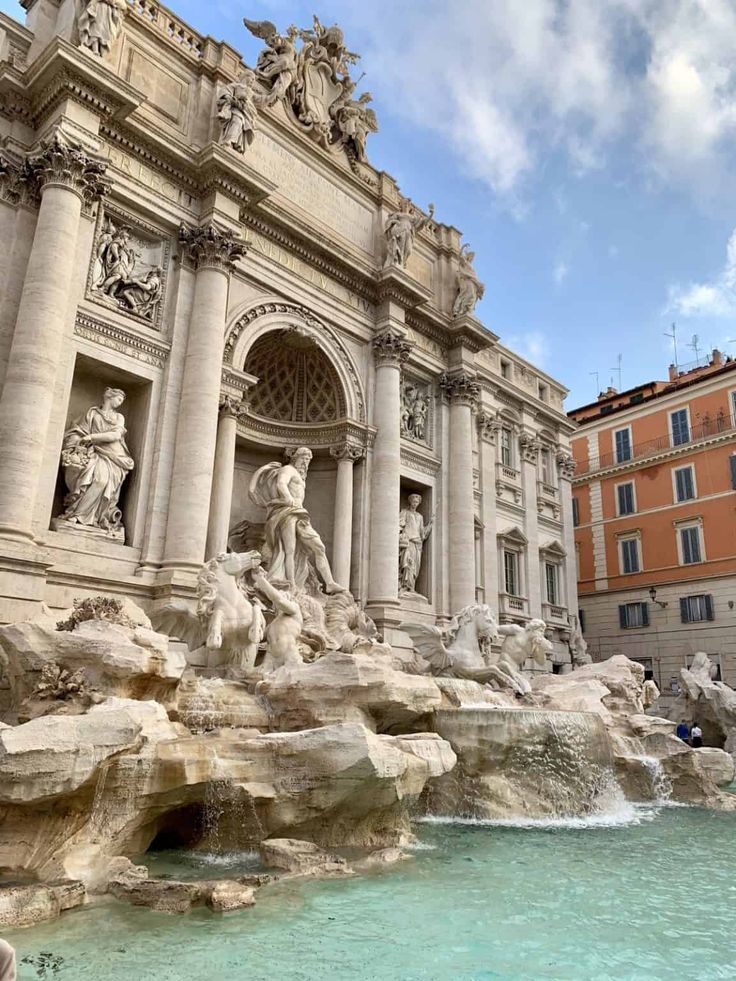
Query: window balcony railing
(639, 451)
(554, 614)
(546, 490)
(508, 474)
(512, 606)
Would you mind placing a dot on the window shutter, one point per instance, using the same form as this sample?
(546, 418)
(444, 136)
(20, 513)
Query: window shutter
(709, 608)
(733, 470)
(644, 615)
(684, 610)
(622, 617)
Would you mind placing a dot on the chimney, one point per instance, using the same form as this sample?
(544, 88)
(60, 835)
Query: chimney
(717, 357)
(673, 373)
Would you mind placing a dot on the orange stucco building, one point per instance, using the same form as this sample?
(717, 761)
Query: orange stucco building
(654, 504)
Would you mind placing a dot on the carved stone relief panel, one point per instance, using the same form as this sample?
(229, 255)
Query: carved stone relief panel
(129, 266)
(416, 407)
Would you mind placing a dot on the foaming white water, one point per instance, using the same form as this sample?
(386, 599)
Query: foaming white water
(625, 814)
(419, 846)
(223, 858)
(661, 783)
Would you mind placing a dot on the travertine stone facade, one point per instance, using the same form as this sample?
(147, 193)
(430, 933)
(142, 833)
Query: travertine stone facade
(181, 230)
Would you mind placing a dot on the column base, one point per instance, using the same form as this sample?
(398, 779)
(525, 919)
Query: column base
(24, 566)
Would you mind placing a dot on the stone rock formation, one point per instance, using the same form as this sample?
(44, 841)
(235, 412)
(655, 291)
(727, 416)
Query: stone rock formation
(711, 703)
(301, 857)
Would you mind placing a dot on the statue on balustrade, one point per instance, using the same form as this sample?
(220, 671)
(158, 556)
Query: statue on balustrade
(400, 229)
(469, 287)
(413, 533)
(96, 461)
(99, 23)
(237, 112)
(293, 551)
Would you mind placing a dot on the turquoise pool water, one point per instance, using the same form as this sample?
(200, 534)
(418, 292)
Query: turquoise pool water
(648, 894)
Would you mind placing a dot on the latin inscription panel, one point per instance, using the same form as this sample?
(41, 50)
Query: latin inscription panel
(312, 192)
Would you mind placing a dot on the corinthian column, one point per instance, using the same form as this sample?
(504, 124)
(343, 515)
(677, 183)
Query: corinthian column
(342, 536)
(213, 253)
(390, 350)
(463, 392)
(231, 409)
(65, 175)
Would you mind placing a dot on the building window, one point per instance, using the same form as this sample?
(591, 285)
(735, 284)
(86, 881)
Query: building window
(622, 438)
(646, 663)
(680, 424)
(507, 456)
(629, 556)
(543, 392)
(691, 550)
(633, 615)
(684, 483)
(733, 470)
(733, 408)
(625, 498)
(551, 575)
(511, 572)
(505, 369)
(576, 510)
(693, 609)
(636, 398)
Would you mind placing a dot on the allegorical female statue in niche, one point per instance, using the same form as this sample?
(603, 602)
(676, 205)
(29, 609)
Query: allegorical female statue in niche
(96, 461)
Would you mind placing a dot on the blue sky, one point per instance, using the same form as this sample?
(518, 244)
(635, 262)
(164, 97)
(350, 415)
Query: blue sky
(585, 148)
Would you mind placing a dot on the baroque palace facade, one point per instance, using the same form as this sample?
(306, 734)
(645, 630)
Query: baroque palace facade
(202, 272)
(654, 496)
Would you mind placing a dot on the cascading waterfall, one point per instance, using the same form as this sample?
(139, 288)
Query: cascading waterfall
(525, 762)
(661, 784)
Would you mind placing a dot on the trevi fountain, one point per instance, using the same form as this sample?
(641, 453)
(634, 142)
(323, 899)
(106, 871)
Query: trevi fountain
(292, 683)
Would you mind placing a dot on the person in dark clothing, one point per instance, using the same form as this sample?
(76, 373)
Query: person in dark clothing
(683, 731)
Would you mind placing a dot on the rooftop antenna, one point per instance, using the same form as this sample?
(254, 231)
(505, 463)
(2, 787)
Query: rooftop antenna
(673, 335)
(695, 345)
(618, 369)
(597, 385)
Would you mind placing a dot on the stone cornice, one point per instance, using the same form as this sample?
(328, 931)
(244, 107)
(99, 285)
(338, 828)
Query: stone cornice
(394, 283)
(217, 169)
(285, 434)
(391, 347)
(211, 247)
(64, 72)
(134, 345)
(469, 332)
(424, 463)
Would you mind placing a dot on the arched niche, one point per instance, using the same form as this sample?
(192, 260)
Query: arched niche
(303, 327)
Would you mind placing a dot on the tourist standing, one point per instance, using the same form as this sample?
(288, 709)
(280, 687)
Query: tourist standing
(683, 731)
(7, 962)
(696, 736)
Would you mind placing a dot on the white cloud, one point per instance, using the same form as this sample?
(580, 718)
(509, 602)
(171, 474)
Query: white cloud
(506, 83)
(716, 298)
(560, 272)
(532, 345)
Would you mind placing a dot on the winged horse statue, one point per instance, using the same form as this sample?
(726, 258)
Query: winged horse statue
(228, 626)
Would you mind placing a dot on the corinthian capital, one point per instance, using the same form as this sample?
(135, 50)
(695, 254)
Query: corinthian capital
(391, 347)
(347, 451)
(231, 406)
(488, 425)
(529, 446)
(210, 246)
(461, 389)
(61, 161)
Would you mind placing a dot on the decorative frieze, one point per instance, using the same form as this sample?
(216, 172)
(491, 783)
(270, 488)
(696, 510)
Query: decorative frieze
(461, 389)
(119, 339)
(390, 347)
(62, 161)
(208, 246)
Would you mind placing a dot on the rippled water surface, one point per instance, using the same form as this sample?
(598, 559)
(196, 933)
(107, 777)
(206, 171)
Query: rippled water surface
(646, 894)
